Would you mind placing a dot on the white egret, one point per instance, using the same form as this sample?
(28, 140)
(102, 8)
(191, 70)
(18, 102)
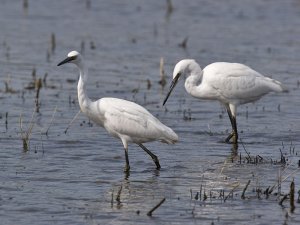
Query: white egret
(232, 84)
(122, 119)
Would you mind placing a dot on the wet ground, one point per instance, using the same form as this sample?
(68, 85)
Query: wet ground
(77, 177)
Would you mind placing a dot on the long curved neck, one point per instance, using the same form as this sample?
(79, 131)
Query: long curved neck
(83, 99)
(193, 81)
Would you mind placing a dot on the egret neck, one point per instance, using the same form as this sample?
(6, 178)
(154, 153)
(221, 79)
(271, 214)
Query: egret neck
(83, 99)
(192, 84)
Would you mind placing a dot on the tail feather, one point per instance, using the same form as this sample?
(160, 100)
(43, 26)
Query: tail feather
(276, 86)
(166, 134)
(170, 136)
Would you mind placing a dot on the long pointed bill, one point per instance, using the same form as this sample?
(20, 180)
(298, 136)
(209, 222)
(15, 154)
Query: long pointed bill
(65, 61)
(173, 84)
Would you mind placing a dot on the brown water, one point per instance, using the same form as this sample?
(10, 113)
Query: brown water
(75, 178)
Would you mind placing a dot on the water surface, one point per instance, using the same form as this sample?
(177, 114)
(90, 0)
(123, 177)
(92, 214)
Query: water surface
(75, 178)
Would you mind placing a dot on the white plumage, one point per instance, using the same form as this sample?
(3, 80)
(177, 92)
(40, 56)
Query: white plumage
(122, 119)
(129, 121)
(232, 84)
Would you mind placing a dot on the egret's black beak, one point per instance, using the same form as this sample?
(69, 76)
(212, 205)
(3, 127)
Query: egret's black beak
(66, 61)
(173, 84)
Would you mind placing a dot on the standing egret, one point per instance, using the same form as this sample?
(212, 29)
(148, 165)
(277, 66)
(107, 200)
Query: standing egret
(232, 84)
(122, 119)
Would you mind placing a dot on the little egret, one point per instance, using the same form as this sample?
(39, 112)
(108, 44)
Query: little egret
(122, 119)
(232, 84)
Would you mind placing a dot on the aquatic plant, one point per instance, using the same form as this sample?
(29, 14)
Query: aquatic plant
(26, 134)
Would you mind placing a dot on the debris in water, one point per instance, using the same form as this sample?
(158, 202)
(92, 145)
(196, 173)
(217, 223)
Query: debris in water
(38, 86)
(53, 42)
(72, 121)
(25, 135)
(183, 44)
(155, 207)
(92, 45)
(243, 194)
(25, 4)
(292, 196)
(162, 81)
(169, 8)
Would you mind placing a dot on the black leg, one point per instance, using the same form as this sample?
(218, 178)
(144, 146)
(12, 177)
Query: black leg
(235, 137)
(234, 133)
(154, 157)
(127, 166)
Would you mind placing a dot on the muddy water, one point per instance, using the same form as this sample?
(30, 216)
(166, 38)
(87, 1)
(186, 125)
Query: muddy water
(77, 178)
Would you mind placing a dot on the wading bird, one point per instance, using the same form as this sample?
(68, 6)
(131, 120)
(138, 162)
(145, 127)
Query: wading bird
(232, 84)
(122, 119)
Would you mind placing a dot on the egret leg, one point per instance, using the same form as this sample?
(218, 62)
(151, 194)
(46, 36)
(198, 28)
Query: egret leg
(125, 144)
(127, 166)
(229, 137)
(235, 136)
(154, 157)
(234, 133)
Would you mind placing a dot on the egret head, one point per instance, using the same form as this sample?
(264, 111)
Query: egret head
(73, 57)
(184, 67)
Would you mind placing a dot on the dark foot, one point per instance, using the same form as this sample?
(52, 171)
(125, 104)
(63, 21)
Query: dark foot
(232, 136)
(154, 157)
(229, 137)
(156, 161)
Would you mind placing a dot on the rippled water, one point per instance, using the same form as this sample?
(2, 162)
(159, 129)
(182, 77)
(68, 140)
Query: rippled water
(77, 178)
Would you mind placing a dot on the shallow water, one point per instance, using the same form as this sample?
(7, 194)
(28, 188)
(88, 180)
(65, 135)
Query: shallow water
(75, 178)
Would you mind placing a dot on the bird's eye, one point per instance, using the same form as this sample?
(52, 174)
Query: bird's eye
(177, 76)
(73, 57)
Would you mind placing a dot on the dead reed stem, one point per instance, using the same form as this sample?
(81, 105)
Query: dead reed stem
(38, 86)
(25, 135)
(162, 81)
(155, 207)
(283, 199)
(53, 42)
(231, 192)
(292, 196)
(51, 121)
(72, 121)
(243, 194)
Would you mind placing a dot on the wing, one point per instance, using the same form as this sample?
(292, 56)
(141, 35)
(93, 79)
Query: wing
(129, 119)
(236, 81)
